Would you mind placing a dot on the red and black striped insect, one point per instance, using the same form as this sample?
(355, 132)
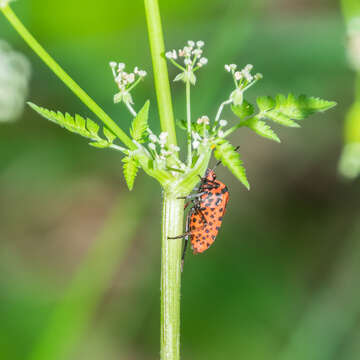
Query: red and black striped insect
(206, 215)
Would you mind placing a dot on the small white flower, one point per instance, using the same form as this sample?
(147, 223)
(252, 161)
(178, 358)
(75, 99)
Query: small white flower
(249, 67)
(113, 64)
(195, 144)
(203, 61)
(174, 55)
(165, 152)
(121, 67)
(258, 76)
(200, 44)
(199, 120)
(163, 135)
(187, 51)
(153, 138)
(196, 136)
(163, 138)
(191, 43)
(227, 68)
(197, 52)
(221, 133)
(247, 76)
(174, 147)
(206, 120)
(131, 78)
(223, 123)
(152, 146)
(142, 73)
(169, 54)
(233, 66)
(181, 53)
(238, 75)
(4, 3)
(136, 70)
(187, 62)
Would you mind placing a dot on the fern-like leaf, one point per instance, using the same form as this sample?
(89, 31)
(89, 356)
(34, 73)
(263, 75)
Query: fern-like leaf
(262, 129)
(130, 168)
(285, 109)
(140, 123)
(230, 158)
(78, 125)
(243, 110)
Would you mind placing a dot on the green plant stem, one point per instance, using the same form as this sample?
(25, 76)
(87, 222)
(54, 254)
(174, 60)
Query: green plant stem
(63, 76)
(161, 77)
(172, 225)
(173, 208)
(188, 120)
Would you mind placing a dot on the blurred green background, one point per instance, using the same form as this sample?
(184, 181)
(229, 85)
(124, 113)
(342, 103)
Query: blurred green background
(80, 256)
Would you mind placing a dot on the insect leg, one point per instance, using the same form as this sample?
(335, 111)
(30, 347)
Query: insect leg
(179, 236)
(192, 196)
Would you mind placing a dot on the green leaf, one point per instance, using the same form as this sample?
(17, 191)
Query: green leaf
(265, 103)
(101, 144)
(230, 158)
(78, 125)
(109, 135)
(281, 119)
(140, 123)
(311, 105)
(179, 77)
(130, 170)
(181, 123)
(262, 129)
(285, 109)
(93, 127)
(243, 110)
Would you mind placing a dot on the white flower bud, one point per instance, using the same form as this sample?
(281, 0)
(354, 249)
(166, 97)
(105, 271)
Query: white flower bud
(191, 43)
(195, 144)
(4, 3)
(197, 52)
(221, 133)
(258, 76)
(153, 138)
(121, 67)
(187, 62)
(205, 120)
(200, 44)
(203, 61)
(169, 55)
(131, 78)
(238, 75)
(227, 68)
(163, 135)
(174, 147)
(142, 73)
(152, 146)
(187, 51)
(113, 64)
(223, 123)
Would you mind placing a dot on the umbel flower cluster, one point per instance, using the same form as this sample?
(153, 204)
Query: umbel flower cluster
(125, 81)
(191, 54)
(204, 135)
